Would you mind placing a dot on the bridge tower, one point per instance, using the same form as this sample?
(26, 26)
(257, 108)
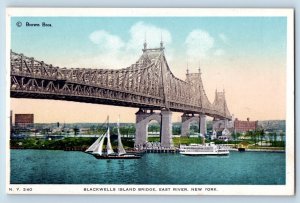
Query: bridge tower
(221, 106)
(195, 80)
(144, 115)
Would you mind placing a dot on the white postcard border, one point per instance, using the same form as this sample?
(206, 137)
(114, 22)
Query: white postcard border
(287, 189)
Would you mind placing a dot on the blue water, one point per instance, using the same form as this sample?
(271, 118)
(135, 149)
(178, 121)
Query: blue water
(61, 167)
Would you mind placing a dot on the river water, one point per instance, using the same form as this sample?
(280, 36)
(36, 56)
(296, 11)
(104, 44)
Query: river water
(65, 167)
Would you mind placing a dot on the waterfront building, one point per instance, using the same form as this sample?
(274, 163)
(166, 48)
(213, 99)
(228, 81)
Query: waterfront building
(225, 129)
(24, 120)
(244, 126)
(222, 133)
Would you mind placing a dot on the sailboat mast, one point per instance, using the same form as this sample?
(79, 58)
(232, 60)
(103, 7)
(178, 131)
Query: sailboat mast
(108, 146)
(121, 149)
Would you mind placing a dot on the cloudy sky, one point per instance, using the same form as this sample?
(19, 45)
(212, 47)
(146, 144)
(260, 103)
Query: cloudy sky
(246, 56)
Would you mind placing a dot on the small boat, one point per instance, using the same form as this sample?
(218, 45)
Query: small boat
(241, 149)
(203, 149)
(96, 149)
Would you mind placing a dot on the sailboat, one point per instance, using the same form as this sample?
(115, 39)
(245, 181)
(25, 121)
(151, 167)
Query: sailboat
(96, 149)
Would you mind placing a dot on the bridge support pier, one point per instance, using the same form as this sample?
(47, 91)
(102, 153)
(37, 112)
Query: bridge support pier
(202, 125)
(142, 120)
(186, 120)
(220, 124)
(166, 129)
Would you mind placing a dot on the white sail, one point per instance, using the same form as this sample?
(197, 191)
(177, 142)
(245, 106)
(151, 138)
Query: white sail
(108, 146)
(99, 148)
(94, 145)
(121, 149)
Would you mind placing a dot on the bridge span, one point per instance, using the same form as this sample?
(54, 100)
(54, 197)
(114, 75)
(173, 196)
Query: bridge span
(147, 84)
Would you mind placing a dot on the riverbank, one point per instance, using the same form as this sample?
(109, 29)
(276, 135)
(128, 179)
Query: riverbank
(67, 144)
(82, 143)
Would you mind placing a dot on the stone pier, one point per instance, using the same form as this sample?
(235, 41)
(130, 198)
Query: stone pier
(203, 126)
(187, 119)
(221, 124)
(166, 129)
(143, 118)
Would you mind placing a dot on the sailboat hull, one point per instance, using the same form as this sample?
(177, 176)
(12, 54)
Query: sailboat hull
(131, 156)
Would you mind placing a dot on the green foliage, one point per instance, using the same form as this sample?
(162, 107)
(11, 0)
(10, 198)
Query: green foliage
(76, 130)
(186, 140)
(235, 137)
(153, 139)
(261, 134)
(128, 142)
(274, 142)
(223, 142)
(176, 130)
(34, 143)
(257, 135)
(153, 127)
(194, 128)
(127, 130)
(209, 125)
(266, 148)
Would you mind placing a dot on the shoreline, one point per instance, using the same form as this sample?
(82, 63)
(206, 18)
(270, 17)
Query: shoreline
(149, 151)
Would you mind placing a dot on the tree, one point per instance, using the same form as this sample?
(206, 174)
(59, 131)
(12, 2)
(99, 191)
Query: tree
(176, 130)
(76, 130)
(275, 139)
(235, 137)
(68, 132)
(270, 136)
(101, 129)
(257, 135)
(281, 139)
(93, 128)
(261, 136)
(45, 131)
(238, 135)
(251, 134)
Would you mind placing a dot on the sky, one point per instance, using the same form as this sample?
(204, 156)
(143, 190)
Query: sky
(245, 56)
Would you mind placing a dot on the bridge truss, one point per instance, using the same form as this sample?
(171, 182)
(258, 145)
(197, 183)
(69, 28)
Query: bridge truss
(148, 83)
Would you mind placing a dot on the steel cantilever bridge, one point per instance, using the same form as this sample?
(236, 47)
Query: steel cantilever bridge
(147, 84)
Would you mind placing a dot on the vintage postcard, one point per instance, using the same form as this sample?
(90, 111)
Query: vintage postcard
(153, 101)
